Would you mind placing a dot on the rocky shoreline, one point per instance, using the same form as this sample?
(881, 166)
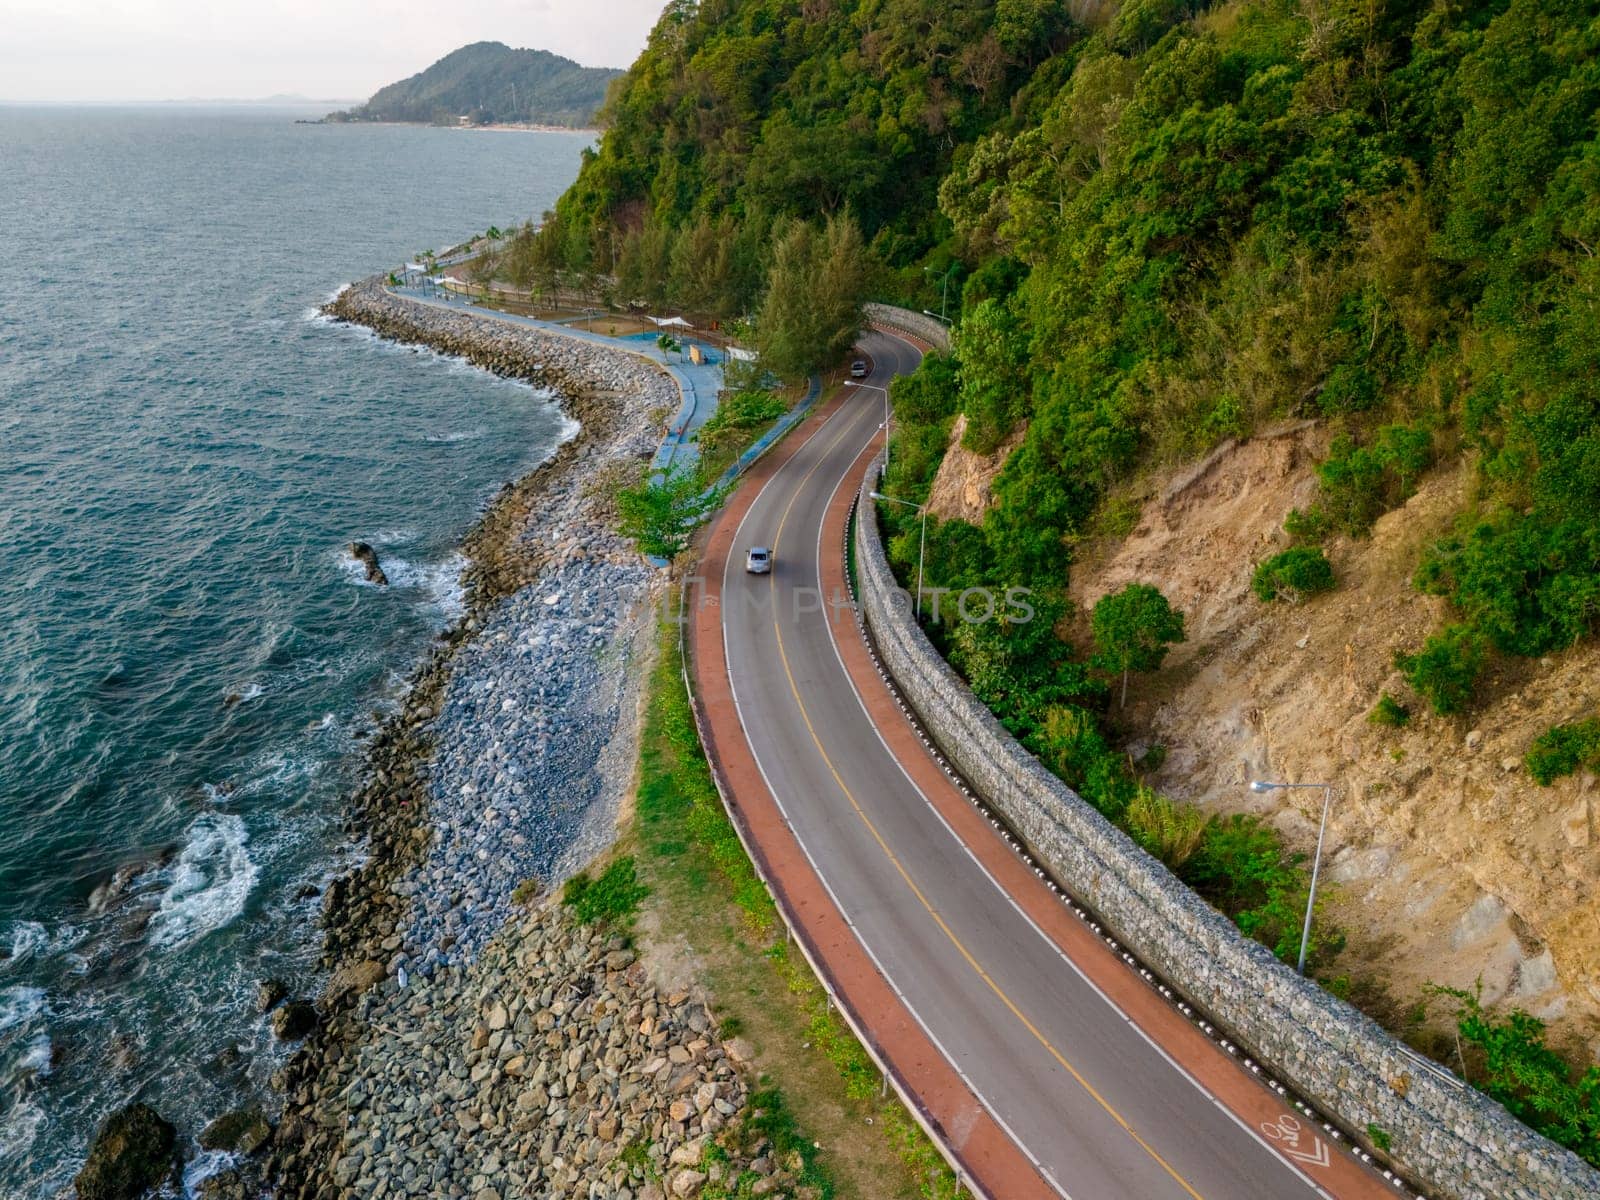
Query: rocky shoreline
(471, 1039)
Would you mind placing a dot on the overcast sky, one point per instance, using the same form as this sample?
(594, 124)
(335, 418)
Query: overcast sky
(241, 49)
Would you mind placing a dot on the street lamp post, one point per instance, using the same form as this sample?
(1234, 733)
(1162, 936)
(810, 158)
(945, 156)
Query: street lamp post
(922, 544)
(872, 387)
(1261, 785)
(944, 288)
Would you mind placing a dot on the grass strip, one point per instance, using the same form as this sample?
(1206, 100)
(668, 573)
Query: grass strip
(819, 1097)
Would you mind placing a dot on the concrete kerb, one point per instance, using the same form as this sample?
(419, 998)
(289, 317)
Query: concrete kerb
(1460, 1143)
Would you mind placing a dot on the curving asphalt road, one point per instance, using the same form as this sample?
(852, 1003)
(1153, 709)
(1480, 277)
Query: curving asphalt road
(1100, 1110)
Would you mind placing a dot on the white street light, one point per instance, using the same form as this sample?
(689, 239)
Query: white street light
(1261, 785)
(944, 290)
(872, 387)
(922, 546)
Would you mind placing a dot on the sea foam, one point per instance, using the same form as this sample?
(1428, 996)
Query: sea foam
(210, 882)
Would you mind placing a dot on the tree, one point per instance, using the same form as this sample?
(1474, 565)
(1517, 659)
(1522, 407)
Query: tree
(1133, 630)
(811, 313)
(661, 513)
(703, 268)
(644, 265)
(993, 355)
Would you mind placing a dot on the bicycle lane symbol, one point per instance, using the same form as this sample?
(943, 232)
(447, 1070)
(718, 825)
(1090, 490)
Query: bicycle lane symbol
(1296, 1141)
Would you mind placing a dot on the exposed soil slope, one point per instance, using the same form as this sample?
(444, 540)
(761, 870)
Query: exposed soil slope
(1451, 864)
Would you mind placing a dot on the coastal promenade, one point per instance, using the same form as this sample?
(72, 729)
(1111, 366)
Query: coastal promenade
(698, 383)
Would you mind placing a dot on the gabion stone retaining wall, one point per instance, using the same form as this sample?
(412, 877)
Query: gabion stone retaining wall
(918, 325)
(1451, 1138)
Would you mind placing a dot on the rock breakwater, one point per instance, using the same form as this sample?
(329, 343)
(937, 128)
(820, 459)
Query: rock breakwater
(620, 401)
(534, 749)
(549, 1066)
(468, 1046)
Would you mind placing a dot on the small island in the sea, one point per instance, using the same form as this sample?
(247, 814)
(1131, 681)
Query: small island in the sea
(489, 83)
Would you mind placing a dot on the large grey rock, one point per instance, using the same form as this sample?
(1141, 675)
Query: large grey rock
(242, 1131)
(134, 1149)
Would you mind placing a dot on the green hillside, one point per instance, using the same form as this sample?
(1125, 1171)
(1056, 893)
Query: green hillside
(1162, 226)
(1165, 224)
(489, 81)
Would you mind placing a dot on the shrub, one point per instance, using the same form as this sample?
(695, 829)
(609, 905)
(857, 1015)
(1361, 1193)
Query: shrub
(1070, 743)
(1523, 1073)
(737, 417)
(1351, 479)
(1239, 860)
(1446, 669)
(611, 898)
(525, 892)
(1311, 525)
(1169, 830)
(1242, 867)
(1018, 667)
(1294, 574)
(1562, 749)
(1360, 483)
(1530, 586)
(1390, 712)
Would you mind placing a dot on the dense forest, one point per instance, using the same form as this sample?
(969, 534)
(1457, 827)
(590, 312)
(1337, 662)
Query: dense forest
(487, 82)
(1157, 225)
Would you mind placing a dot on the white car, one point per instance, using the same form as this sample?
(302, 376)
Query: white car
(758, 561)
(858, 369)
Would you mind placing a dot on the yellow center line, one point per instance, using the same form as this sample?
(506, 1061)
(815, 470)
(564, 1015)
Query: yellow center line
(916, 891)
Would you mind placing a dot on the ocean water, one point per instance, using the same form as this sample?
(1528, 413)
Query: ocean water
(188, 660)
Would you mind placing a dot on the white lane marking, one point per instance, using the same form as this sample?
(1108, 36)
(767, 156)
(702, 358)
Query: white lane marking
(1054, 946)
(1287, 1129)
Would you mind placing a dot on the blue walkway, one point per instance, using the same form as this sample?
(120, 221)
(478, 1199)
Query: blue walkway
(698, 385)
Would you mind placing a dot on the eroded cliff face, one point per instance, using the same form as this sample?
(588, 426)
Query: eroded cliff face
(964, 486)
(1451, 864)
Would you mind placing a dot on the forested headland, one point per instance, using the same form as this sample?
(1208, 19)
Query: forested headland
(489, 82)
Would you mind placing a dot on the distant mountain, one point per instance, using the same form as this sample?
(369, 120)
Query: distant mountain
(490, 82)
